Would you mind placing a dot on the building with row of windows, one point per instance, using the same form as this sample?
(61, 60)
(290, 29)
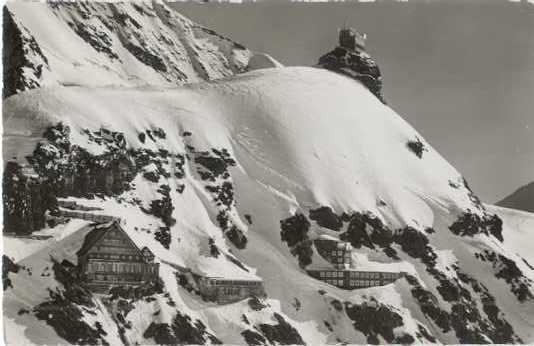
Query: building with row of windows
(351, 279)
(340, 272)
(338, 253)
(108, 257)
(224, 291)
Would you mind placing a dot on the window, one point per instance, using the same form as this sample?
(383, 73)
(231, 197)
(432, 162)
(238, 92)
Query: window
(321, 274)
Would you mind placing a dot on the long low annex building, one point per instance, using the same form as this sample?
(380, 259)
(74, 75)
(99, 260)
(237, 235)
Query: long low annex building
(224, 291)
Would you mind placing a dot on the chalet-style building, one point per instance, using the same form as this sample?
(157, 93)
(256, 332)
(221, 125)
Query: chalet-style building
(224, 291)
(341, 273)
(108, 257)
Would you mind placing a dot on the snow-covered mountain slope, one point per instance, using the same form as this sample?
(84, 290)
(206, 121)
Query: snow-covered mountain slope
(521, 199)
(518, 230)
(111, 43)
(256, 166)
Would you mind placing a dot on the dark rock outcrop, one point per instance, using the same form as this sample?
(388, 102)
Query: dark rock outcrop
(20, 52)
(282, 333)
(469, 224)
(294, 231)
(182, 331)
(8, 266)
(351, 59)
(26, 198)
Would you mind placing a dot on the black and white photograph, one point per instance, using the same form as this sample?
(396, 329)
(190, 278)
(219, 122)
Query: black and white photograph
(267, 172)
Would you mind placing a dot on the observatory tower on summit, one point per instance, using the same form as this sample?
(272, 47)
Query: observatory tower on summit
(351, 39)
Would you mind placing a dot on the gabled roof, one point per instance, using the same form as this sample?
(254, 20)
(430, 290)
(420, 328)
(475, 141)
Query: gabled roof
(99, 232)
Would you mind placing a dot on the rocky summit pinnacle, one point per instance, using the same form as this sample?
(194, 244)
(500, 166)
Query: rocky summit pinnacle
(351, 59)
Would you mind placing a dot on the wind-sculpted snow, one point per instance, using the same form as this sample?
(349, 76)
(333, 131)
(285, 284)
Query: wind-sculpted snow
(236, 178)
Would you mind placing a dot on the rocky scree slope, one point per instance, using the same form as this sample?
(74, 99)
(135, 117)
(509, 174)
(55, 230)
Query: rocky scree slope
(236, 178)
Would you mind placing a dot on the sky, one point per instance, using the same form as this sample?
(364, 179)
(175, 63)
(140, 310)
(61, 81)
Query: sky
(460, 72)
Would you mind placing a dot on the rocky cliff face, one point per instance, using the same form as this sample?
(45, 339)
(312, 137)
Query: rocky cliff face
(125, 43)
(23, 60)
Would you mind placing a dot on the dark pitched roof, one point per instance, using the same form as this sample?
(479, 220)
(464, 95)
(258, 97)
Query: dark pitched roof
(98, 232)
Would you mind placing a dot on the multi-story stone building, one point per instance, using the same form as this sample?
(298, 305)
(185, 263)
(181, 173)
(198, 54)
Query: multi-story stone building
(108, 257)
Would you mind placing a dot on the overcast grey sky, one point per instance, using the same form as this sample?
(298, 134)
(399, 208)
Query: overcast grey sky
(461, 72)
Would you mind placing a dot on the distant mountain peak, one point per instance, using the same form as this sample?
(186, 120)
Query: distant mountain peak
(522, 199)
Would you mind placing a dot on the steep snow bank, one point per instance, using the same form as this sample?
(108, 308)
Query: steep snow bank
(517, 231)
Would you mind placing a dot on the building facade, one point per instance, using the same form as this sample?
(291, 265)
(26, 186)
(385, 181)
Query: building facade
(341, 273)
(338, 253)
(351, 39)
(110, 258)
(351, 279)
(224, 291)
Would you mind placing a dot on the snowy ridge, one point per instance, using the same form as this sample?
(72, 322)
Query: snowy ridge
(113, 43)
(292, 140)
